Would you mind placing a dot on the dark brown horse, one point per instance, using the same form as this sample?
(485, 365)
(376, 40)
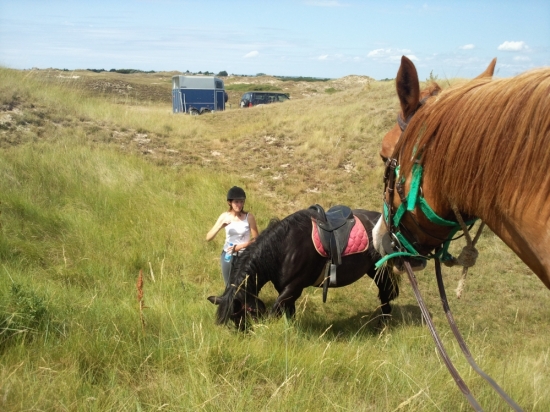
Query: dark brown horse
(483, 147)
(285, 255)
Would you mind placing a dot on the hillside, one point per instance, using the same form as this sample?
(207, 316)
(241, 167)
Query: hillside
(139, 88)
(264, 141)
(102, 186)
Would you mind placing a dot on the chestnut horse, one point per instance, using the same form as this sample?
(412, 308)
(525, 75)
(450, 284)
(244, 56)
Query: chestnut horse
(475, 150)
(481, 148)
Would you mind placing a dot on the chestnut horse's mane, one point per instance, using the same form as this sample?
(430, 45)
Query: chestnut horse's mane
(486, 140)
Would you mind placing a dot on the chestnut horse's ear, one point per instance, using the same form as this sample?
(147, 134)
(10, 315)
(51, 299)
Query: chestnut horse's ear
(408, 87)
(489, 71)
(214, 299)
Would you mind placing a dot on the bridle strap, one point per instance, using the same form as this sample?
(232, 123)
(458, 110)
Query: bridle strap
(404, 122)
(402, 245)
(389, 181)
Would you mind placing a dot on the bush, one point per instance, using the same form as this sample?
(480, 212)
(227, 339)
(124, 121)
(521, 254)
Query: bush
(24, 314)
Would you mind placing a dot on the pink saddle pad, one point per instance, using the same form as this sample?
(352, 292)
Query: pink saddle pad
(358, 239)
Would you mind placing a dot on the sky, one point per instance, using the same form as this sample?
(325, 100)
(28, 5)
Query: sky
(310, 38)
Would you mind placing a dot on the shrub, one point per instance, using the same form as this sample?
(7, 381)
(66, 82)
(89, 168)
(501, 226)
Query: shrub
(24, 314)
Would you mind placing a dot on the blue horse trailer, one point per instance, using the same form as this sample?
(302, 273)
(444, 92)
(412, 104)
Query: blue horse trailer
(197, 94)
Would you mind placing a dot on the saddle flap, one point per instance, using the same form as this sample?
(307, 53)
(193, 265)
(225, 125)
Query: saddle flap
(336, 217)
(339, 240)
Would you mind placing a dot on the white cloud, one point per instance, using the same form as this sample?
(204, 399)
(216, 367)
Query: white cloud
(522, 58)
(323, 57)
(378, 53)
(325, 3)
(513, 46)
(390, 54)
(467, 47)
(251, 54)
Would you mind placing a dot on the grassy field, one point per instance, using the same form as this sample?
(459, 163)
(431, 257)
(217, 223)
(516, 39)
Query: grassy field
(98, 186)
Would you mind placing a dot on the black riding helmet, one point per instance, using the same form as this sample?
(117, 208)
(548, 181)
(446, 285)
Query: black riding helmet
(236, 193)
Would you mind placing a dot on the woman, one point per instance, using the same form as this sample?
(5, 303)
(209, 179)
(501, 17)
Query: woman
(240, 229)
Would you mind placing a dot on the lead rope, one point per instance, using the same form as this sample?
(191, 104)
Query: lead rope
(438, 343)
(469, 254)
(463, 345)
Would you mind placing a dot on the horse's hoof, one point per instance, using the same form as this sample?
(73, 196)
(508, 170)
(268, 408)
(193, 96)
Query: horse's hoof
(383, 322)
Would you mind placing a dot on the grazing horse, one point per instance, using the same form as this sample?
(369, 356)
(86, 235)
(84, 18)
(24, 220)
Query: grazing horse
(480, 150)
(285, 254)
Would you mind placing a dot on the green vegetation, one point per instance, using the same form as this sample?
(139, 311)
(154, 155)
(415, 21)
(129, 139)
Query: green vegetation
(95, 191)
(331, 90)
(239, 87)
(432, 78)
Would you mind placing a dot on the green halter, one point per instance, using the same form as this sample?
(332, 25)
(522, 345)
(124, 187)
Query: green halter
(413, 200)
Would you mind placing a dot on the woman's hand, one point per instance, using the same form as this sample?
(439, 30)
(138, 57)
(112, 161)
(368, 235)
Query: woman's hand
(223, 221)
(226, 220)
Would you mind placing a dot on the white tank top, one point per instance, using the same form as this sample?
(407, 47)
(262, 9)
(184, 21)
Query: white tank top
(237, 233)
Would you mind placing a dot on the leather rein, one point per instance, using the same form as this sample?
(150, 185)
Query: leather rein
(395, 243)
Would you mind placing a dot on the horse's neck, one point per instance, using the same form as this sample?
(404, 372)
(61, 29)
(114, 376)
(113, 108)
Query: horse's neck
(528, 235)
(525, 229)
(251, 284)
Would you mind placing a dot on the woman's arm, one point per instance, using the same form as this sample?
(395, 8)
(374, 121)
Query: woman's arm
(222, 222)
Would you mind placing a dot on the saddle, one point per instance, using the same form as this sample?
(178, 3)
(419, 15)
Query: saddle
(334, 228)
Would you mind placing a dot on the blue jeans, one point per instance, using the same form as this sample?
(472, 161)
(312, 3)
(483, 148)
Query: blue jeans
(226, 268)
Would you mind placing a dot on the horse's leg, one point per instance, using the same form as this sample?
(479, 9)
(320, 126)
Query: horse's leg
(299, 269)
(286, 302)
(289, 291)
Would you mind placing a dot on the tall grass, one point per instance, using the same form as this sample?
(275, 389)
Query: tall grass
(82, 216)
